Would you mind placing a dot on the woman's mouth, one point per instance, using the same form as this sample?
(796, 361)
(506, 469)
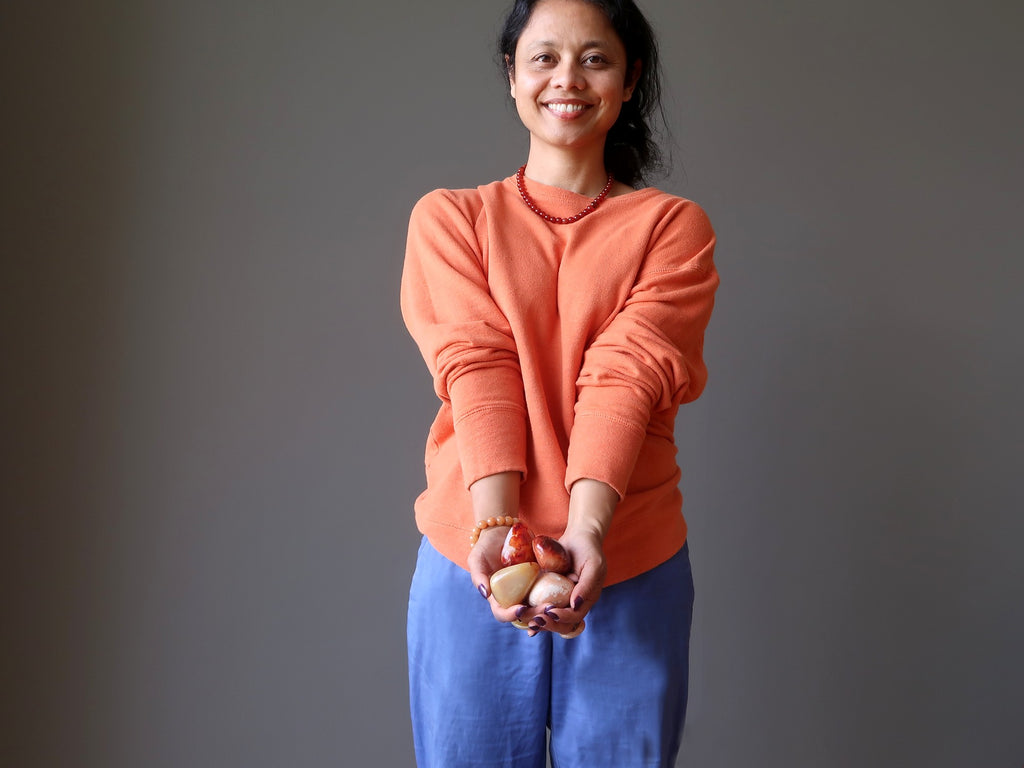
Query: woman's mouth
(566, 109)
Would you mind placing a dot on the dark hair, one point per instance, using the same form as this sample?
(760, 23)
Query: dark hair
(630, 152)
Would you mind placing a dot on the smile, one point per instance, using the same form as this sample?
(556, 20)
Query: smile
(566, 109)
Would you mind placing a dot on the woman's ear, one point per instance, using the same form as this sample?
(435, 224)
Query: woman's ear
(632, 78)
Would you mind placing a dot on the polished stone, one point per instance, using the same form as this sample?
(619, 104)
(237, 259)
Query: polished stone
(550, 589)
(510, 585)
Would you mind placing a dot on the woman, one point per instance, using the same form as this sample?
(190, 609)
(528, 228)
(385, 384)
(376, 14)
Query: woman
(561, 313)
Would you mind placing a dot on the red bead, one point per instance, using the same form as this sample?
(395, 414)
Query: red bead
(591, 206)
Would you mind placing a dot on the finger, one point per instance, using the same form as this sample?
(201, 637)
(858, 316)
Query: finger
(537, 624)
(514, 613)
(540, 622)
(587, 589)
(582, 598)
(529, 618)
(561, 621)
(481, 579)
(549, 618)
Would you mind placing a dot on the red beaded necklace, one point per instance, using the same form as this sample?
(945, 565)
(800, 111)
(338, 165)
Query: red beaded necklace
(591, 206)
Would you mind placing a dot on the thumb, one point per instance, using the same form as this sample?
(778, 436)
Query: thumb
(588, 588)
(480, 575)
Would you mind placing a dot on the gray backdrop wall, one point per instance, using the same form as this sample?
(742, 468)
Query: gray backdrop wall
(213, 420)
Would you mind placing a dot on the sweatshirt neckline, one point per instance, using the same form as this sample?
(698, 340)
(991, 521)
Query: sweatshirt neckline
(566, 197)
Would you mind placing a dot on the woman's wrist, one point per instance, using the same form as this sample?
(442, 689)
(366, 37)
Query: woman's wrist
(496, 496)
(592, 504)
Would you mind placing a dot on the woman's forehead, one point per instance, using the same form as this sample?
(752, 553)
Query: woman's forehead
(555, 22)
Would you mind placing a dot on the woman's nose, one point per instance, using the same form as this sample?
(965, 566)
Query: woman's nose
(569, 75)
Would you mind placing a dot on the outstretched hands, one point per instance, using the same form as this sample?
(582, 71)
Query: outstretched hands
(590, 510)
(588, 574)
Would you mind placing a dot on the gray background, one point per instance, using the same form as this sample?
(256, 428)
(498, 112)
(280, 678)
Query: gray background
(213, 420)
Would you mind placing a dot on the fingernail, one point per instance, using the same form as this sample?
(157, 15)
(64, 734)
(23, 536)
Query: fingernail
(540, 621)
(519, 611)
(531, 632)
(551, 612)
(482, 590)
(577, 603)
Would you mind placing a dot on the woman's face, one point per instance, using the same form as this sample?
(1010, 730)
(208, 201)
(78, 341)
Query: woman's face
(569, 78)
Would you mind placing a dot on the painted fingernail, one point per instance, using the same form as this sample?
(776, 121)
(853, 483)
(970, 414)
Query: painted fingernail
(540, 621)
(551, 612)
(519, 611)
(577, 603)
(482, 590)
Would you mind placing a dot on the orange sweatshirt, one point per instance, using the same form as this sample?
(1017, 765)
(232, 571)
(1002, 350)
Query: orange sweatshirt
(560, 352)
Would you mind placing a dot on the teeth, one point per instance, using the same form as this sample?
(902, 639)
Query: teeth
(566, 107)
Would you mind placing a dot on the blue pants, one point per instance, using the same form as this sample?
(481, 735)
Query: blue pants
(482, 693)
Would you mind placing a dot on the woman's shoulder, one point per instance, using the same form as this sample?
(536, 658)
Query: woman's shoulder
(467, 202)
(655, 197)
(661, 209)
(445, 198)
(449, 195)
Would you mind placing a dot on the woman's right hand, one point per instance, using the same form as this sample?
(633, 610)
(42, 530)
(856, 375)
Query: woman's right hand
(494, 496)
(484, 560)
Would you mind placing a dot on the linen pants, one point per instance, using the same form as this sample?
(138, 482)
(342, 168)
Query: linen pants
(482, 693)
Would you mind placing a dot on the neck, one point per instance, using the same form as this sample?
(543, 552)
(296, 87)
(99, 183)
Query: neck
(583, 173)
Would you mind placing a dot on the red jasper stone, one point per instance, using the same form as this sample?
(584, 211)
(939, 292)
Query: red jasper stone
(550, 555)
(518, 546)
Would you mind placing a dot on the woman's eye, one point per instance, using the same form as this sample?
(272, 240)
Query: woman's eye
(594, 59)
(543, 58)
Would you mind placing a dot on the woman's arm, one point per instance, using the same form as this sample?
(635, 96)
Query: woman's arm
(591, 506)
(464, 337)
(470, 351)
(650, 356)
(493, 496)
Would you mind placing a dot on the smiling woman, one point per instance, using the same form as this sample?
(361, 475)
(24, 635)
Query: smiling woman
(561, 312)
(569, 78)
(629, 151)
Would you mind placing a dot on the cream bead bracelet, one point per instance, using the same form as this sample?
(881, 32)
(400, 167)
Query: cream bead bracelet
(490, 522)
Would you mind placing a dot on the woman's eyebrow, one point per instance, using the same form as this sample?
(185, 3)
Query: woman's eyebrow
(552, 44)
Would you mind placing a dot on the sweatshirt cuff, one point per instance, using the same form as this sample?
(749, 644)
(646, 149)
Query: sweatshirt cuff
(603, 448)
(491, 440)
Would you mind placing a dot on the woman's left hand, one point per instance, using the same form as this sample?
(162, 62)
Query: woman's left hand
(591, 505)
(589, 569)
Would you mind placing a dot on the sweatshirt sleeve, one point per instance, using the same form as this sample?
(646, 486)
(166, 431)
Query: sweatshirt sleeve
(464, 337)
(649, 358)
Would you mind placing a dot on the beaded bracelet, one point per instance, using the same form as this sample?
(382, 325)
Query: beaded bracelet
(490, 522)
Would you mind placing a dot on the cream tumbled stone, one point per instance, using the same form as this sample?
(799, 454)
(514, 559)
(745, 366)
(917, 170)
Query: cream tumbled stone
(575, 632)
(510, 585)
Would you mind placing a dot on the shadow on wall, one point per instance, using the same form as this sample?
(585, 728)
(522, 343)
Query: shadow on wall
(74, 109)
